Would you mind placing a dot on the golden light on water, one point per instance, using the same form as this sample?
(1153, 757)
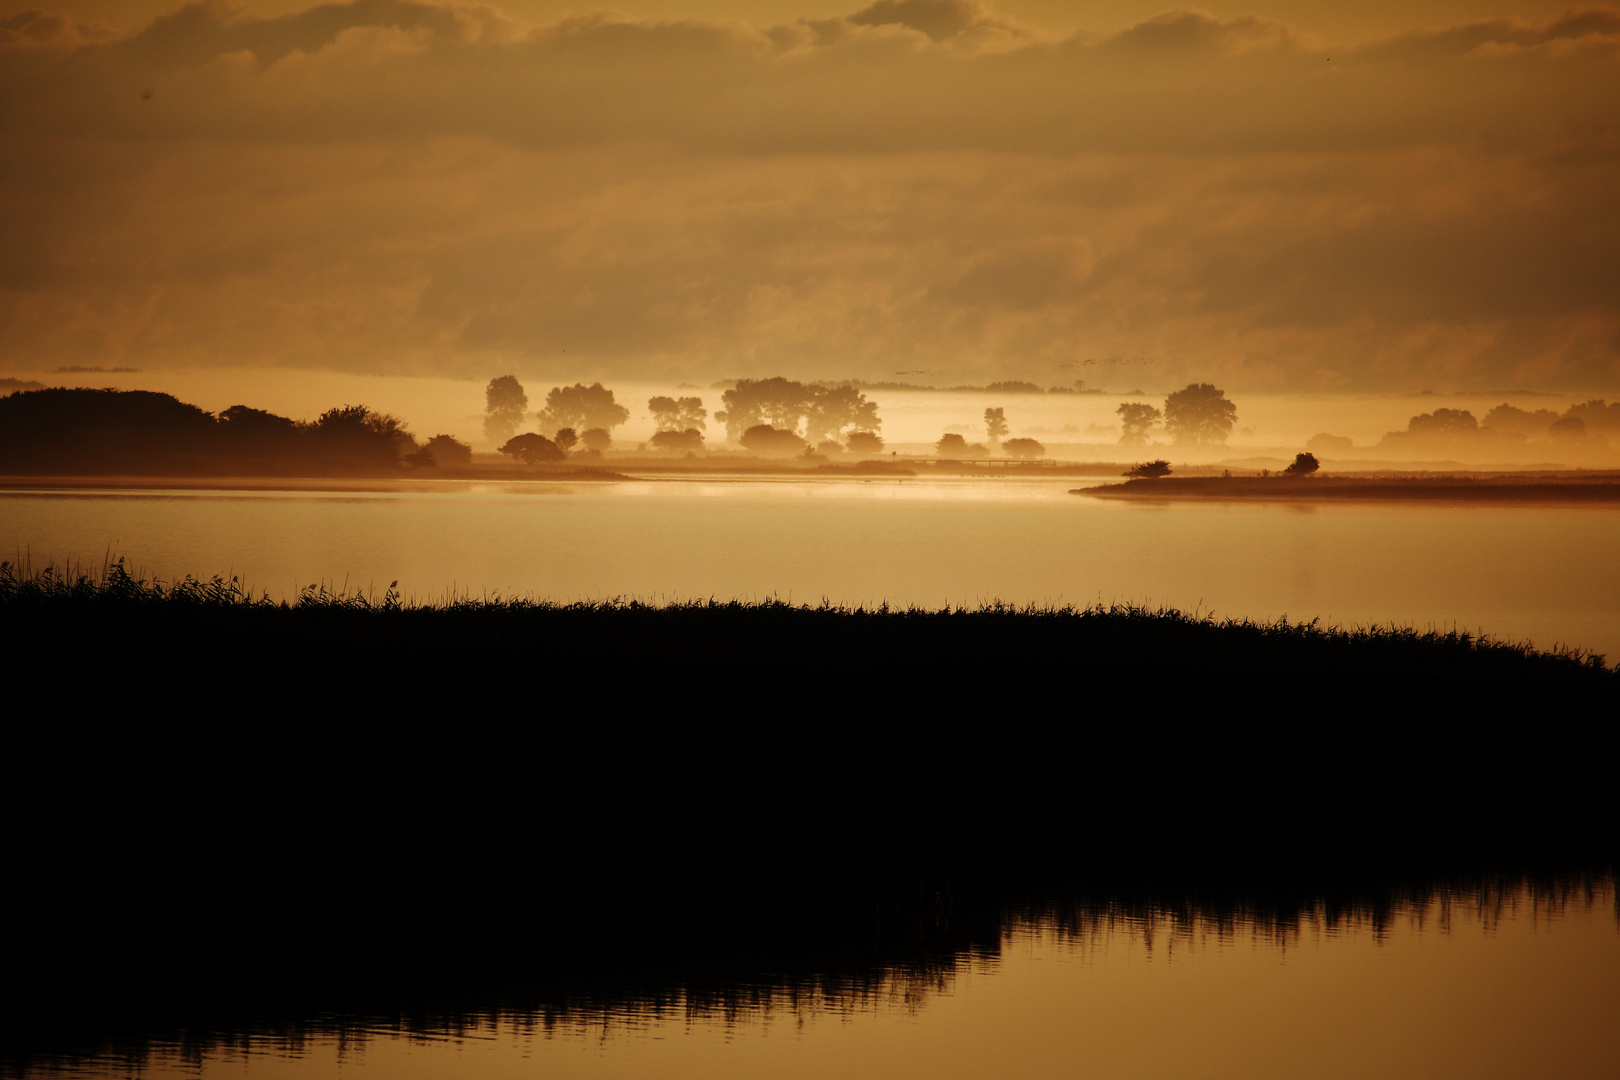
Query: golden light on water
(1438, 994)
(1368, 256)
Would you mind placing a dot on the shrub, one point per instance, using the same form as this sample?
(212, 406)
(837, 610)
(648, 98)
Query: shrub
(1023, 448)
(1304, 465)
(683, 442)
(1149, 470)
(769, 442)
(532, 449)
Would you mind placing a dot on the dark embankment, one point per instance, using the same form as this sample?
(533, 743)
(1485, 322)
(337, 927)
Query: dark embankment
(1596, 489)
(141, 437)
(229, 814)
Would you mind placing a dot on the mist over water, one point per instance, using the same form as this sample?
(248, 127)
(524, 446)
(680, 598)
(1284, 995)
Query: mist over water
(1270, 428)
(1515, 572)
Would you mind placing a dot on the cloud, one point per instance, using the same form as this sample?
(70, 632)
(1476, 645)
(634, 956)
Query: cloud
(424, 185)
(940, 20)
(43, 29)
(1190, 31)
(1593, 27)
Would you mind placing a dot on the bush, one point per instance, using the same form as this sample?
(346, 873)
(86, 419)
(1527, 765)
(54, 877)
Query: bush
(1149, 470)
(684, 442)
(532, 449)
(767, 441)
(1023, 448)
(1304, 465)
(864, 442)
(446, 450)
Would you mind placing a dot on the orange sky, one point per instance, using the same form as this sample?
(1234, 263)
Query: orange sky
(1399, 196)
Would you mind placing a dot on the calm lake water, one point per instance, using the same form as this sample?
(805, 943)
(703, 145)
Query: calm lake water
(1472, 988)
(1548, 575)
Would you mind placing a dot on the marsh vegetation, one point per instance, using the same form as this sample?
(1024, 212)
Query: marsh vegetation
(553, 809)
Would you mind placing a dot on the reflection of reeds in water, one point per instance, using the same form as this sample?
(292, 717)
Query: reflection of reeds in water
(1478, 900)
(352, 813)
(1086, 926)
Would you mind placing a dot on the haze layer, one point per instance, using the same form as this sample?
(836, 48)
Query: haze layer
(919, 188)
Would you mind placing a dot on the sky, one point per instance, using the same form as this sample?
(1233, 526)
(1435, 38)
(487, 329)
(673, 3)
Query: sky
(1299, 197)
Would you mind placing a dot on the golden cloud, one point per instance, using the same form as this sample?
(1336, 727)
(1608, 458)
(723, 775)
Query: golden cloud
(410, 185)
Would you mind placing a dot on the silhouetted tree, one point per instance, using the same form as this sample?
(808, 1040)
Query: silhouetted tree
(1444, 423)
(1149, 470)
(1506, 418)
(252, 431)
(864, 442)
(1304, 465)
(995, 422)
(678, 414)
(783, 403)
(688, 441)
(80, 430)
(504, 406)
(1567, 429)
(834, 408)
(1597, 414)
(580, 407)
(1199, 413)
(1023, 448)
(449, 451)
(597, 439)
(532, 449)
(565, 438)
(1136, 420)
(951, 445)
(777, 403)
(766, 440)
(357, 434)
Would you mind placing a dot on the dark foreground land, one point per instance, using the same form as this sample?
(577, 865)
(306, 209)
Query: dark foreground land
(229, 816)
(1520, 488)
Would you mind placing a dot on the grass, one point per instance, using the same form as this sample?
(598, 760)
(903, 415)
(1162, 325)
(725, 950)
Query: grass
(114, 590)
(368, 802)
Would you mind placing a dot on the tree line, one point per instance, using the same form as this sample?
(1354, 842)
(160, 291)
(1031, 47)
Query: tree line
(775, 417)
(120, 431)
(1196, 415)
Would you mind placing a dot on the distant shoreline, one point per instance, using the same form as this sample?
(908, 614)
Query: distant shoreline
(1492, 489)
(632, 469)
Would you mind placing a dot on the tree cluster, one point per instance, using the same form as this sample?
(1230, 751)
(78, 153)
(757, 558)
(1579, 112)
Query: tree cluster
(1583, 423)
(582, 408)
(1198, 414)
(85, 430)
(825, 412)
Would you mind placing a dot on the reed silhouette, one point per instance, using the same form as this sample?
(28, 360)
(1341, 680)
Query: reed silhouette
(234, 812)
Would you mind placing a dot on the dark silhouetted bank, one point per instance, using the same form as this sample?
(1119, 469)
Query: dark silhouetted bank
(231, 814)
(1303, 485)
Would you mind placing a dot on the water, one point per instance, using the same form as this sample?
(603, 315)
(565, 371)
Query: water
(1477, 986)
(1547, 575)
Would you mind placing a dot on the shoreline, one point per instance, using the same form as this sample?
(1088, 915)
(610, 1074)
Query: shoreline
(1543, 490)
(866, 788)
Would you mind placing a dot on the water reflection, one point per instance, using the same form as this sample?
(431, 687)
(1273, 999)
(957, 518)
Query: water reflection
(1528, 573)
(1490, 977)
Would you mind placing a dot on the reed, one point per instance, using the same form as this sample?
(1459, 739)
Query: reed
(24, 589)
(217, 788)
